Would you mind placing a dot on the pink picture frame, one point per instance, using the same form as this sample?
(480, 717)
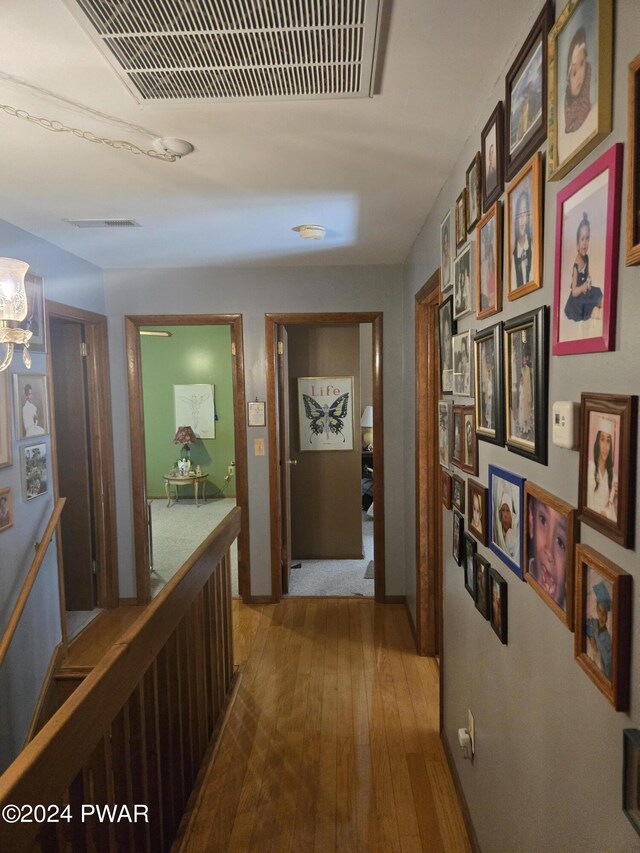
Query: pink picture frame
(586, 258)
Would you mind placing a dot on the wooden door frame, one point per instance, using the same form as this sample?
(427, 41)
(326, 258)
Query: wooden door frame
(136, 422)
(429, 599)
(102, 457)
(271, 321)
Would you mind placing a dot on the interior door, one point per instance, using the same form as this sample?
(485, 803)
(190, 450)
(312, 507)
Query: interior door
(285, 455)
(73, 462)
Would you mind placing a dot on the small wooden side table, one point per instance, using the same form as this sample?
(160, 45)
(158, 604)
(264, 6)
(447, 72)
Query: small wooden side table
(177, 480)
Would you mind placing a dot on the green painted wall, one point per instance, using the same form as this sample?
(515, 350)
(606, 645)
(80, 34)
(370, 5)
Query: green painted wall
(194, 354)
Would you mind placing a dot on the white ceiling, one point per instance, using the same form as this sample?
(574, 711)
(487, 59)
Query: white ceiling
(369, 170)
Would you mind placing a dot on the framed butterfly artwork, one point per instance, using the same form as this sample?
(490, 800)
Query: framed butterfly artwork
(325, 412)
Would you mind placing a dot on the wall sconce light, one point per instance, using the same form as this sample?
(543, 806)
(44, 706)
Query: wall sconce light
(13, 308)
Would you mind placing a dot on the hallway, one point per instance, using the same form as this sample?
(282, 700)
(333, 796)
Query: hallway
(332, 742)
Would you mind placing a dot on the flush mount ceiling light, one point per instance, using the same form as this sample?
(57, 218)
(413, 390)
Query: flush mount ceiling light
(172, 146)
(311, 232)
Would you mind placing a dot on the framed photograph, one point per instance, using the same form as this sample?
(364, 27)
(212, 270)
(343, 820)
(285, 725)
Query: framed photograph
(526, 96)
(325, 412)
(445, 426)
(474, 189)
(458, 490)
(445, 252)
(35, 319)
(551, 534)
(506, 508)
(34, 471)
(470, 549)
(462, 356)
(445, 489)
(194, 406)
(489, 263)
(481, 567)
(631, 777)
(603, 624)
(498, 598)
(5, 421)
(461, 219)
(458, 536)
(633, 165)
(586, 262)
(524, 230)
(525, 383)
(30, 405)
(457, 427)
(477, 518)
(6, 509)
(607, 481)
(470, 443)
(447, 327)
(580, 81)
(463, 283)
(488, 384)
(256, 413)
(491, 140)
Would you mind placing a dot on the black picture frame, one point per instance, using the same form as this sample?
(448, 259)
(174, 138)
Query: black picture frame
(492, 135)
(498, 604)
(470, 549)
(483, 601)
(526, 430)
(533, 51)
(458, 536)
(631, 776)
(489, 412)
(474, 192)
(445, 315)
(458, 492)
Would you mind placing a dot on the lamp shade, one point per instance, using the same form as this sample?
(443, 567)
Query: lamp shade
(13, 296)
(367, 417)
(185, 435)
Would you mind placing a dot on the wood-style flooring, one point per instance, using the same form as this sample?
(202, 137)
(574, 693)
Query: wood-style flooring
(332, 742)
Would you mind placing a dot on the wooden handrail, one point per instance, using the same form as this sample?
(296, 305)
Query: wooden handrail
(30, 579)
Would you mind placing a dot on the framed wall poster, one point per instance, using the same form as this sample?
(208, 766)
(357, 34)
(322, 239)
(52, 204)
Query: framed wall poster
(607, 480)
(445, 252)
(461, 219)
(492, 137)
(633, 164)
(445, 489)
(580, 82)
(474, 190)
(470, 549)
(5, 421)
(194, 406)
(35, 319)
(34, 471)
(524, 230)
(256, 412)
(603, 624)
(488, 383)
(447, 327)
(462, 358)
(498, 599)
(526, 384)
(526, 95)
(482, 567)
(463, 283)
(550, 537)
(586, 262)
(631, 777)
(325, 412)
(458, 536)
(489, 263)
(444, 433)
(30, 405)
(6, 509)
(458, 492)
(506, 507)
(478, 512)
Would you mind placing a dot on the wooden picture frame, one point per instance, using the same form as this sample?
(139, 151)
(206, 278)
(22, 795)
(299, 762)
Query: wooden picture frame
(478, 511)
(461, 219)
(445, 489)
(458, 536)
(525, 97)
(586, 274)
(445, 432)
(526, 391)
(462, 363)
(482, 567)
(470, 549)
(6, 456)
(474, 191)
(488, 364)
(458, 492)
(524, 230)
(506, 511)
(491, 144)
(607, 487)
(446, 253)
(633, 164)
(603, 624)
(6, 509)
(464, 283)
(580, 42)
(31, 405)
(489, 263)
(551, 533)
(465, 443)
(498, 604)
(631, 777)
(447, 328)
(35, 319)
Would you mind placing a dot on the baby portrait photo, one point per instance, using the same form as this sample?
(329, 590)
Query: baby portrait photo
(506, 493)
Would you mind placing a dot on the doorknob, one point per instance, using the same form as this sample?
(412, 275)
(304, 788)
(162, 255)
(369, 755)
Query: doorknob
(292, 461)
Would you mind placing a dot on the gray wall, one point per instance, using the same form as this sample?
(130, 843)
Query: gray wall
(548, 768)
(252, 293)
(73, 281)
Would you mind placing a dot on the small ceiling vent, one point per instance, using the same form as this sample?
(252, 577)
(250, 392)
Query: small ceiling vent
(103, 223)
(237, 49)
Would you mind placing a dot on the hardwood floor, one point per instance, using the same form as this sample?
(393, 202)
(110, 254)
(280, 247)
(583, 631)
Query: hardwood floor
(332, 743)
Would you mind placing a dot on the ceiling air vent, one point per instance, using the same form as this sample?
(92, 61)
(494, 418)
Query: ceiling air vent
(103, 223)
(237, 49)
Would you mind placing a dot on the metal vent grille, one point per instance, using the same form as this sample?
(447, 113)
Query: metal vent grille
(236, 49)
(103, 223)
